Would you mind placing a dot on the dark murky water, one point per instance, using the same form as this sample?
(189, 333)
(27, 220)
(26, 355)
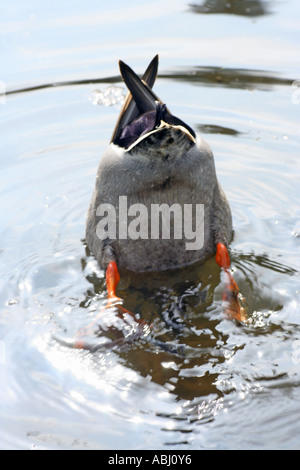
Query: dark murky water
(229, 69)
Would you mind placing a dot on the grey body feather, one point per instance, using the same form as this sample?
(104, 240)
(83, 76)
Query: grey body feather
(164, 164)
(169, 174)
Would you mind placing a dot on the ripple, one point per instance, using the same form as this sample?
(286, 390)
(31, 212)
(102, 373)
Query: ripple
(198, 380)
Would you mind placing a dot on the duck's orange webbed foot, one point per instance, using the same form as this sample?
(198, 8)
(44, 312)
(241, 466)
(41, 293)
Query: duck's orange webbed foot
(112, 281)
(231, 296)
(113, 301)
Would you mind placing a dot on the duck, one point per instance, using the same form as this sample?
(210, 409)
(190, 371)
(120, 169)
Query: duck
(157, 203)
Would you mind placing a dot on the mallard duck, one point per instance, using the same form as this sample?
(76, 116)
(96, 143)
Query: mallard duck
(157, 202)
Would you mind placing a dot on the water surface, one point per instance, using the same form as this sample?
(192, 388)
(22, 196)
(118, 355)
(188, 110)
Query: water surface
(200, 381)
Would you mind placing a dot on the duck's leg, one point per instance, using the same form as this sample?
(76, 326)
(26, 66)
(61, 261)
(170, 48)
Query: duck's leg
(113, 301)
(112, 281)
(231, 290)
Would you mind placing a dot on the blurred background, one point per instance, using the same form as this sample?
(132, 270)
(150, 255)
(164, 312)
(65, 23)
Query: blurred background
(230, 69)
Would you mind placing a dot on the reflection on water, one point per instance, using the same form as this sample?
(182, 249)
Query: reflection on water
(185, 348)
(213, 129)
(250, 8)
(230, 78)
(209, 76)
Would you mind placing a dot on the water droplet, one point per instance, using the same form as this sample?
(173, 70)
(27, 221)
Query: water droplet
(111, 96)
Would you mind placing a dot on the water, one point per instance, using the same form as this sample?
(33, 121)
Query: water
(230, 70)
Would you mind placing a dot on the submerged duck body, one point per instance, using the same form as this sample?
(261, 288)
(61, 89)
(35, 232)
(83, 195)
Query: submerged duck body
(155, 161)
